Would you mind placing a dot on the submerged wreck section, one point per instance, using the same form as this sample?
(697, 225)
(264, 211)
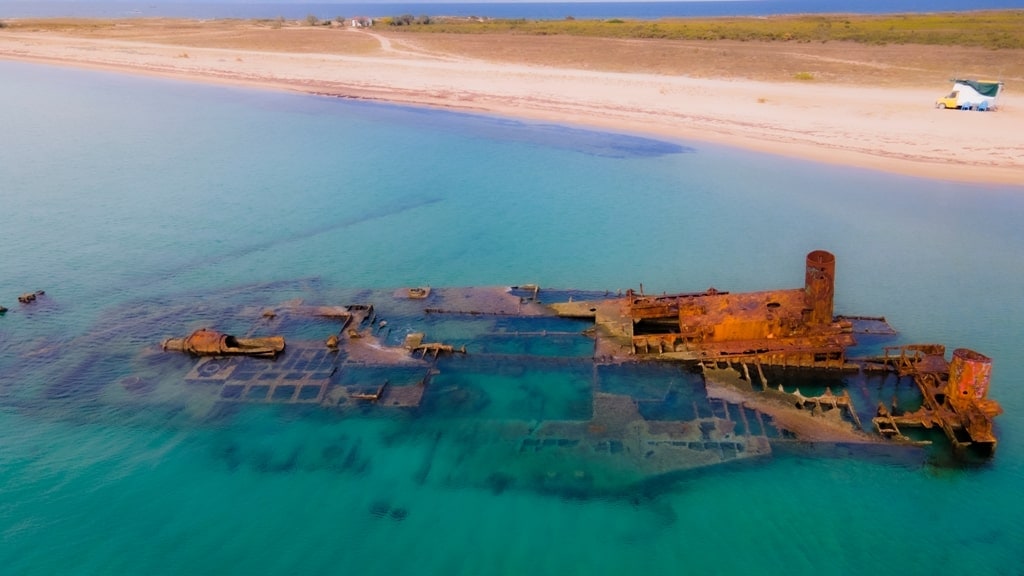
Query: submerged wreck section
(591, 391)
(954, 395)
(735, 338)
(206, 342)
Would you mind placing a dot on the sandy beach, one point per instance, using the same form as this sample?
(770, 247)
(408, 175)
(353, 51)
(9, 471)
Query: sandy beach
(869, 107)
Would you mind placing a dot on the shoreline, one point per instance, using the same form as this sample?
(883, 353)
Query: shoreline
(894, 130)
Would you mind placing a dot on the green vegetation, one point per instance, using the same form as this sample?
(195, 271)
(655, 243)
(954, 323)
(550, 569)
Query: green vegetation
(803, 76)
(991, 29)
(409, 20)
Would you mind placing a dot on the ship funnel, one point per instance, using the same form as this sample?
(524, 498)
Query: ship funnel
(969, 376)
(819, 285)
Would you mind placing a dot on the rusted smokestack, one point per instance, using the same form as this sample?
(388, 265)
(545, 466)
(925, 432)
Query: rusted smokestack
(819, 285)
(969, 376)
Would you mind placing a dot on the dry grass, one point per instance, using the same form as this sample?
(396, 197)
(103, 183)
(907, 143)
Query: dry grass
(833, 62)
(996, 29)
(829, 62)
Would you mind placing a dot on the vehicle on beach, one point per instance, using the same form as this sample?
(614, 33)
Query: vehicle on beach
(972, 95)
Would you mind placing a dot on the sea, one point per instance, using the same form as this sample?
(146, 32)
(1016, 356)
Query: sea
(144, 207)
(529, 10)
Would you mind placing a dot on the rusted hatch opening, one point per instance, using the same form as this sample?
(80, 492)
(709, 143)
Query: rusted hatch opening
(656, 326)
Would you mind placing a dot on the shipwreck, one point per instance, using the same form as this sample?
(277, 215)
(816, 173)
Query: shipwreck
(573, 391)
(592, 382)
(731, 336)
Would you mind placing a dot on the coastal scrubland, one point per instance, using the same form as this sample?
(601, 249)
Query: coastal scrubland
(1001, 29)
(990, 29)
(909, 49)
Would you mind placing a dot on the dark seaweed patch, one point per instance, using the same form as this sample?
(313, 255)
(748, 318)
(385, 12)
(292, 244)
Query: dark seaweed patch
(379, 509)
(498, 482)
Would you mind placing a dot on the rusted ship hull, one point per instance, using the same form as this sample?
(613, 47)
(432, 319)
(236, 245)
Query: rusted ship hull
(587, 392)
(730, 340)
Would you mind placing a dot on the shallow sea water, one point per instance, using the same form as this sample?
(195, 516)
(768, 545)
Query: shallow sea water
(130, 200)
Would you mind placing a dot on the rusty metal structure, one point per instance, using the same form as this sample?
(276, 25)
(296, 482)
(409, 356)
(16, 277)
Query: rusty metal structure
(954, 395)
(207, 342)
(734, 341)
(584, 391)
(778, 327)
(797, 328)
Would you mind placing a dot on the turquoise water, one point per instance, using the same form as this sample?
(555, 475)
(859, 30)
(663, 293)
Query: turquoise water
(131, 200)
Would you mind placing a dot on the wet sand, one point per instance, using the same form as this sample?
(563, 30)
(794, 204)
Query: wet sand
(868, 107)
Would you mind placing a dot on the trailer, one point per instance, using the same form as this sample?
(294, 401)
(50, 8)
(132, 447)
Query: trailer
(972, 95)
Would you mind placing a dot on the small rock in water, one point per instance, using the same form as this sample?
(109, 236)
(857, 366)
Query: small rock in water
(135, 384)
